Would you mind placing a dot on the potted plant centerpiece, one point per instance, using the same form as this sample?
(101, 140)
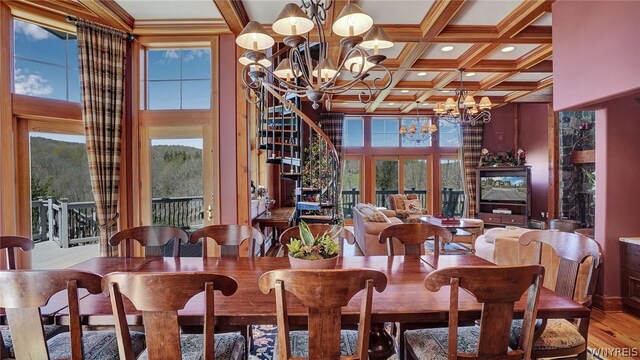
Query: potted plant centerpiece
(314, 252)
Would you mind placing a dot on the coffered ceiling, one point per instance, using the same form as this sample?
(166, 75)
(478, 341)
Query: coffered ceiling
(479, 32)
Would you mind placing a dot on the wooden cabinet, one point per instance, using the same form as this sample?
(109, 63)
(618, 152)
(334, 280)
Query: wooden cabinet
(631, 272)
(506, 188)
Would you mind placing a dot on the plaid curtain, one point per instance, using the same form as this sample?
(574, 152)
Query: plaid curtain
(471, 151)
(101, 56)
(332, 125)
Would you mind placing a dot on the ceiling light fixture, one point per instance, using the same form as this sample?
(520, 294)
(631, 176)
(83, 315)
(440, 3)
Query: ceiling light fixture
(447, 48)
(427, 128)
(507, 49)
(470, 74)
(391, 104)
(301, 74)
(463, 110)
(422, 73)
(404, 91)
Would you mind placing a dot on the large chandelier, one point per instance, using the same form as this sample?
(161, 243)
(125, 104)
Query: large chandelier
(464, 110)
(300, 74)
(427, 128)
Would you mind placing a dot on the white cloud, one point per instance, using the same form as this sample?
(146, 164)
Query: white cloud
(171, 54)
(192, 54)
(32, 31)
(31, 84)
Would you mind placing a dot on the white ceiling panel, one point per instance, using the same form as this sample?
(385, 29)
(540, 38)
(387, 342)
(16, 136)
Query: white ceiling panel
(397, 11)
(495, 93)
(392, 52)
(544, 20)
(484, 12)
(400, 93)
(533, 76)
(163, 9)
(520, 49)
(434, 51)
(476, 77)
(264, 11)
(413, 76)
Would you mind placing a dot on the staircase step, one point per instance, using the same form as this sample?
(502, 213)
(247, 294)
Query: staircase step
(291, 176)
(286, 160)
(309, 190)
(269, 145)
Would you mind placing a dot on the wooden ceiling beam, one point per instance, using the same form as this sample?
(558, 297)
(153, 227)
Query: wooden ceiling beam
(536, 56)
(110, 12)
(522, 17)
(234, 14)
(431, 25)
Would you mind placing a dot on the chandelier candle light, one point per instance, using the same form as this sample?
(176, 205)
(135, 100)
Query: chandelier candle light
(464, 110)
(300, 74)
(427, 127)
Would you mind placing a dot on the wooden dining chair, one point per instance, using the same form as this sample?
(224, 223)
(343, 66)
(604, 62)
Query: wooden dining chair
(579, 259)
(317, 230)
(153, 238)
(497, 288)
(159, 296)
(324, 293)
(413, 237)
(12, 244)
(230, 238)
(23, 292)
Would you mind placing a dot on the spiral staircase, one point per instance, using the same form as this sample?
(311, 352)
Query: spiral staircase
(304, 153)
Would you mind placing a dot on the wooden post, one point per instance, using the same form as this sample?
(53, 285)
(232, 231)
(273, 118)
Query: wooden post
(63, 231)
(50, 219)
(553, 140)
(43, 219)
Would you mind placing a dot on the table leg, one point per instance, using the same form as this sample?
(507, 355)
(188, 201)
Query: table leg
(381, 344)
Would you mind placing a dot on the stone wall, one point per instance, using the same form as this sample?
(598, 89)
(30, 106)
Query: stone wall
(576, 182)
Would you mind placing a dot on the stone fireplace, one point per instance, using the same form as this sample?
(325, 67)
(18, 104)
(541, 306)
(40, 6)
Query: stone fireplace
(577, 166)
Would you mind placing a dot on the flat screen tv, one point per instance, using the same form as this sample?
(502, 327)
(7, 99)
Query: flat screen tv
(503, 188)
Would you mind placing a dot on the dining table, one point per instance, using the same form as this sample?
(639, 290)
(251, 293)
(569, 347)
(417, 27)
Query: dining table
(404, 300)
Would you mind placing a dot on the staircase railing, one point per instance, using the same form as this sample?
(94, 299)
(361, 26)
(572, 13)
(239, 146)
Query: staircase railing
(314, 179)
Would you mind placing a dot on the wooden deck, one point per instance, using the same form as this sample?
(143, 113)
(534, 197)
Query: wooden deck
(49, 255)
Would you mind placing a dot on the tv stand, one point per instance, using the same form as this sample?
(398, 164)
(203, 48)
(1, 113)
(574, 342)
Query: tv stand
(507, 211)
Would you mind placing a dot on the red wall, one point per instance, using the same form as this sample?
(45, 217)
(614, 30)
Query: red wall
(534, 139)
(596, 51)
(228, 153)
(533, 131)
(617, 195)
(596, 67)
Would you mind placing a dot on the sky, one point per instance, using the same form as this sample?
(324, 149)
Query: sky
(46, 65)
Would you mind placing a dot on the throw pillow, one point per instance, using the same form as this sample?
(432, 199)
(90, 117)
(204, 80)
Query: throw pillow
(377, 216)
(413, 206)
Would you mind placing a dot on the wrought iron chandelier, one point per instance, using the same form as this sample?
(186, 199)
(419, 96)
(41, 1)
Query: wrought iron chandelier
(301, 75)
(464, 110)
(427, 127)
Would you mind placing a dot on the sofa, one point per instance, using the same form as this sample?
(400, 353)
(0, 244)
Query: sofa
(396, 203)
(368, 224)
(501, 246)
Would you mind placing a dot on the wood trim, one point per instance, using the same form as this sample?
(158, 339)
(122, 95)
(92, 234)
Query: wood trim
(111, 12)
(553, 145)
(8, 200)
(174, 117)
(583, 157)
(234, 14)
(23, 189)
(44, 109)
(608, 303)
(242, 149)
(181, 27)
(52, 14)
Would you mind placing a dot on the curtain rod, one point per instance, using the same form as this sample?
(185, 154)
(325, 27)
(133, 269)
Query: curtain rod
(71, 19)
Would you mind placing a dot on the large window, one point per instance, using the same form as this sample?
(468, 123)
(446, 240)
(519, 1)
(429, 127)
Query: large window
(178, 79)
(384, 132)
(45, 62)
(353, 132)
(449, 134)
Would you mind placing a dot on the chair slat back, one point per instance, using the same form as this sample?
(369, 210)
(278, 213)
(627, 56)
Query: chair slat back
(153, 238)
(574, 250)
(23, 292)
(230, 238)
(497, 288)
(324, 293)
(413, 237)
(11, 243)
(317, 230)
(159, 296)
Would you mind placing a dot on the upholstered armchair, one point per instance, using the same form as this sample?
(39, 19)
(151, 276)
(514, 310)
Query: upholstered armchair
(396, 203)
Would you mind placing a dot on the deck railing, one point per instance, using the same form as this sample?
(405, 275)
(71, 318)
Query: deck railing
(453, 200)
(74, 223)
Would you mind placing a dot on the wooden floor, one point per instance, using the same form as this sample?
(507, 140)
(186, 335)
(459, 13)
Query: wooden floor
(615, 332)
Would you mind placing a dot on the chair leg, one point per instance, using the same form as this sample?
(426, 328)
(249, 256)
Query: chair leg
(402, 352)
(247, 332)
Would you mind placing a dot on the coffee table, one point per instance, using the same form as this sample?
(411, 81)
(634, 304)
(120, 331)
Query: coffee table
(464, 232)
